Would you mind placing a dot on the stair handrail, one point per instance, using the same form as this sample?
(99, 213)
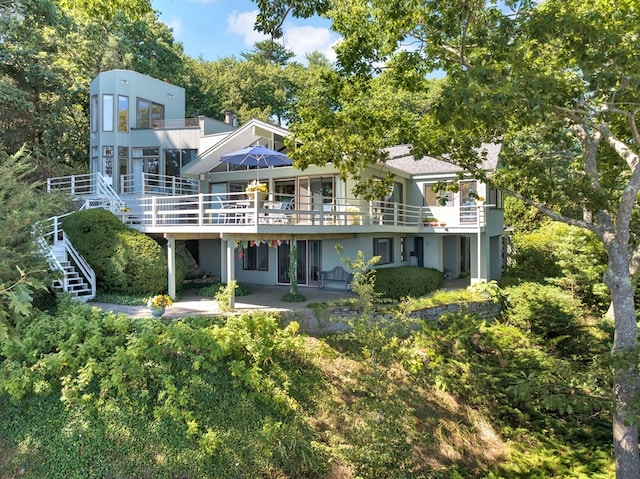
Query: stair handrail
(86, 270)
(51, 228)
(91, 184)
(52, 260)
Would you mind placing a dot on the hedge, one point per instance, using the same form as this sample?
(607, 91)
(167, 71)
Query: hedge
(398, 282)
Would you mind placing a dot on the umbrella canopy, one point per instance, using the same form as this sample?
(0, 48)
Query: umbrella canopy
(258, 156)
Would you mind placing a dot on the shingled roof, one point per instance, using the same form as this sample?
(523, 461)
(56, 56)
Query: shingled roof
(404, 161)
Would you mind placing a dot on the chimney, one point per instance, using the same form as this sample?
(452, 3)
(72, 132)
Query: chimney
(230, 118)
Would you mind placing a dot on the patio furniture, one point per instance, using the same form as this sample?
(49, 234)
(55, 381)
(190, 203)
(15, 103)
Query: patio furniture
(283, 207)
(336, 275)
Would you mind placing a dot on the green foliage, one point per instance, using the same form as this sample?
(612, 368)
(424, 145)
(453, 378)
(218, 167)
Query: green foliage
(556, 319)
(125, 261)
(403, 281)
(139, 396)
(210, 290)
(564, 255)
(23, 271)
(224, 295)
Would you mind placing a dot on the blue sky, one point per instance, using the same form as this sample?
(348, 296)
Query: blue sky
(217, 28)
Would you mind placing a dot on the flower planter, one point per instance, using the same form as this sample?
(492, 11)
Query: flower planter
(157, 312)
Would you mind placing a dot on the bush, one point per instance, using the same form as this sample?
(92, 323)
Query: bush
(558, 320)
(397, 283)
(570, 257)
(125, 260)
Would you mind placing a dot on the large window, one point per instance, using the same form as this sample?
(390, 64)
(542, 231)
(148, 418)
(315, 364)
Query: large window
(107, 112)
(123, 114)
(383, 247)
(148, 114)
(256, 258)
(94, 114)
(496, 198)
(174, 160)
(437, 198)
(149, 158)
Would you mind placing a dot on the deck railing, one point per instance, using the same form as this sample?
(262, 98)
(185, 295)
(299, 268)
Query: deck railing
(92, 188)
(56, 247)
(233, 210)
(151, 184)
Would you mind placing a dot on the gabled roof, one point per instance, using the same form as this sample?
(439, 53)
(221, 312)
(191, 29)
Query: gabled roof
(251, 133)
(404, 161)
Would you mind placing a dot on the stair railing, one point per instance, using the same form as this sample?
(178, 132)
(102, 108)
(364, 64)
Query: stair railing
(49, 234)
(81, 264)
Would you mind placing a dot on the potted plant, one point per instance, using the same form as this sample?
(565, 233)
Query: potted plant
(353, 217)
(158, 304)
(476, 197)
(429, 221)
(260, 188)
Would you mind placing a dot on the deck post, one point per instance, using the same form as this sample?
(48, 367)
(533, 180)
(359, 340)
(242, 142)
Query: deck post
(231, 274)
(171, 267)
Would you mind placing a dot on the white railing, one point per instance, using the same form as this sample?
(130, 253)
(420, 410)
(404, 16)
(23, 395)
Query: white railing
(228, 210)
(92, 188)
(50, 237)
(152, 184)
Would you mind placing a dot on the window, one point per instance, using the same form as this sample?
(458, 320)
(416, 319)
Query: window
(403, 249)
(256, 258)
(107, 112)
(496, 198)
(468, 190)
(107, 160)
(123, 114)
(148, 114)
(174, 160)
(94, 113)
(437, 198)
(150, 160)
(383, 247)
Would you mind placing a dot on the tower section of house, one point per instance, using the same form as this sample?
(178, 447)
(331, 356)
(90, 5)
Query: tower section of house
(138, 125)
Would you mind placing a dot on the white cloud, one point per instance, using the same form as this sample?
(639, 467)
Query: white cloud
(301, 39)
(307, 39)
(175, 24)
(243, 24)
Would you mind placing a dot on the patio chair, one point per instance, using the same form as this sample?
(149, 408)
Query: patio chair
(283, 206)
(217, 204)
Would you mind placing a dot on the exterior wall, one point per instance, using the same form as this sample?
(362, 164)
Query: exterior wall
(133, 85)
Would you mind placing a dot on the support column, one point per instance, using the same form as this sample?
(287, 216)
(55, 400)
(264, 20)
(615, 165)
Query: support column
(231, 269)
(171, 267)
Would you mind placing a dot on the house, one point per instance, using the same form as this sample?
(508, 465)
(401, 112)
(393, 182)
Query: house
(163, 175)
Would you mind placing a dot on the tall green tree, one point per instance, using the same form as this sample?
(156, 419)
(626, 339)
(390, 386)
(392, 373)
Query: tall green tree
(555, 82)
(22, 269)
(49, 53)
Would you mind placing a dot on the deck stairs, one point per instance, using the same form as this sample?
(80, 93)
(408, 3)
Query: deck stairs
(73, 274)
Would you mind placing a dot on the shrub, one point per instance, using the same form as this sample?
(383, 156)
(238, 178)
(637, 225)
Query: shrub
(125, 260)
(399, 282)
(570, 257)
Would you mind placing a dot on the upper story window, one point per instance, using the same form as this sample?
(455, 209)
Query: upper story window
(174, 160)
(94, 113)
(107, 112)
(437, 198)
(496, 198)
(148, 113)
(123, 114)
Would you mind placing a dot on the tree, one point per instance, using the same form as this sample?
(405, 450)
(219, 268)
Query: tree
(555, 82)
(22, 269)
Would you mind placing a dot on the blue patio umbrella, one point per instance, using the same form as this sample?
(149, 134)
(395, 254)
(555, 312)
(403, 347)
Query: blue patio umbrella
(258, 156)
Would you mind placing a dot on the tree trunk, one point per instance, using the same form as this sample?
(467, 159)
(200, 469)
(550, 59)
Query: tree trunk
(624, 352)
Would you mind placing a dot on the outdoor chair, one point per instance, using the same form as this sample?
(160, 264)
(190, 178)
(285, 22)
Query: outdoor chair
(283, 215)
